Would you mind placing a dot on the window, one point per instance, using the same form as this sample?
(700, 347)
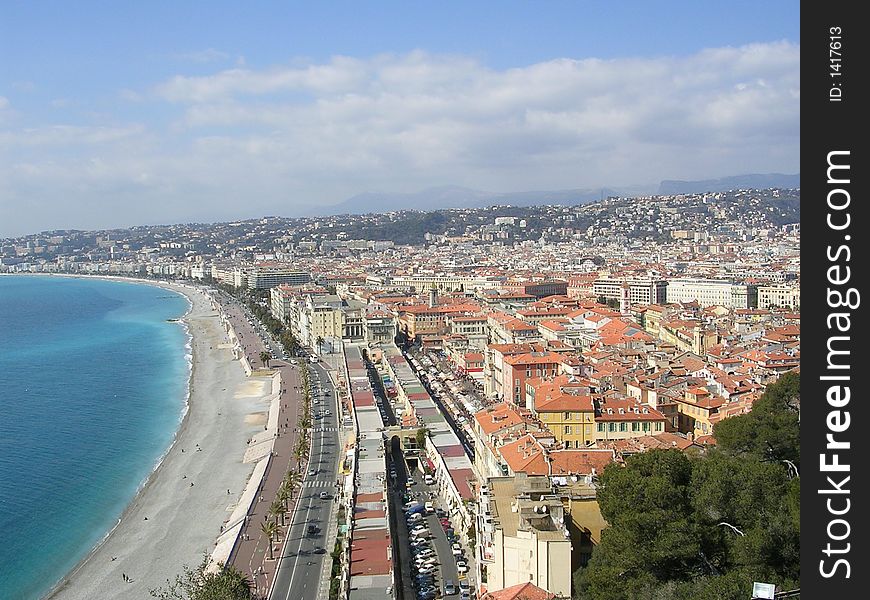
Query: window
(646, 426)
(623, 426)
(567, 416)
(567, 429)
(601, 427)
(635, 426)
(658, 426)
(611, 427)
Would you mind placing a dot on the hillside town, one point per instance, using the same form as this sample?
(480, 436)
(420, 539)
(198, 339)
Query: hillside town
(491, 363)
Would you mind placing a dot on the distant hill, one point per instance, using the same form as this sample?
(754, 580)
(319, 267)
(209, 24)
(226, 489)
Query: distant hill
(460, 197)
(454, 196)
(756, 181)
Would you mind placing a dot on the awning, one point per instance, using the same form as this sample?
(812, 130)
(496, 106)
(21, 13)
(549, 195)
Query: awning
(430, 464)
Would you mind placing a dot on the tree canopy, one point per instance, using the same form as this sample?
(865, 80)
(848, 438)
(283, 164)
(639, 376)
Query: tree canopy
(707, 525)
(227, 583)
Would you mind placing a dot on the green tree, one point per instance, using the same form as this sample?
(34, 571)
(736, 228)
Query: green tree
(265, 357)
(227, 583)
(270, 530)
(277, 510)
(771, 430)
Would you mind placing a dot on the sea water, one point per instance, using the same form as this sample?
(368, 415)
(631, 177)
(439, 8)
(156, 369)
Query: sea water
(93, 386)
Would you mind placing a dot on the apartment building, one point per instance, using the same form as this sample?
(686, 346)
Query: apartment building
(523, 536)
(565, 407)
(783, 295)
(622, 418)
(640, 291)
(268, 276)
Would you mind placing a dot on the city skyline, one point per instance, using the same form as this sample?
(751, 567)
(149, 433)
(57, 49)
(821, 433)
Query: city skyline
(281, 111)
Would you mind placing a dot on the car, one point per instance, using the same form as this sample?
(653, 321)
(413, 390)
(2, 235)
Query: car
(464, 586)
(461, 568)
(425, 570)
(464, 595)
(312, 529)
(449, 588)
(324, 495)
(312, 472)
(320, 550)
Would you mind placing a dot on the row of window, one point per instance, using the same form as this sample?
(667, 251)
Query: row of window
(623, 427)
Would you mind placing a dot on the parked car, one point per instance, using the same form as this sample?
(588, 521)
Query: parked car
(449, 588)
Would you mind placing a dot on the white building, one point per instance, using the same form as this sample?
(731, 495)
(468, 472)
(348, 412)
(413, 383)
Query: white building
(779, 295)
(712, 292)
(640, 291)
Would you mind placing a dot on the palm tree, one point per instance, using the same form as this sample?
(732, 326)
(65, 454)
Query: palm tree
(283, 496)
(277, 510)
(291, 480)
(269, 529)
(319, 344)
(265, 357)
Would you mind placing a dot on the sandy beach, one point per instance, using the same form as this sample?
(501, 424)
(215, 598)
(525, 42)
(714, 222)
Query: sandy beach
(179, 513)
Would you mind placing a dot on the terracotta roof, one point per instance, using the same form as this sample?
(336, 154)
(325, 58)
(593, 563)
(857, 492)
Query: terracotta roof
(521, 591)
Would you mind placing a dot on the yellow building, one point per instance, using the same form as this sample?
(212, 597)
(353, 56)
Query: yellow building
(565, 407)
(698, 411)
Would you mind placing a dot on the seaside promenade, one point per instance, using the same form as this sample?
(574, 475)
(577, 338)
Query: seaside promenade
(250, 553)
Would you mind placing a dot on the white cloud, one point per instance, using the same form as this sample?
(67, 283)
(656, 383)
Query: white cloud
(304, 134)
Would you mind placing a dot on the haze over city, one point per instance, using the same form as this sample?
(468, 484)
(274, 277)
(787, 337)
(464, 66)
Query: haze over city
(165, 114)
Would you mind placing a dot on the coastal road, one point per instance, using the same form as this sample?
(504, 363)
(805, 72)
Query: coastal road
(251, 554)
(304, 552)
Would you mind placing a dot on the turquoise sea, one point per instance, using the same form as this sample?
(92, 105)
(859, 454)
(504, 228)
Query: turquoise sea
(93, 386)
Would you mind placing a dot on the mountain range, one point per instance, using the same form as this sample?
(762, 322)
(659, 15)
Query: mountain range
(452, 196)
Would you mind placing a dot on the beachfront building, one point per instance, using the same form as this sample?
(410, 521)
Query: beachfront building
(267, 276)
(282, 299)
(522, 535)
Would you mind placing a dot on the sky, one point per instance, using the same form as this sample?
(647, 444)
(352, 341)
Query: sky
(119, 114)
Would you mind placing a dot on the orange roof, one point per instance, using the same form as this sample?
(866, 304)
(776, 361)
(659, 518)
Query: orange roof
(579, 462)
(533, 358)
(496, 417)
(521, 591)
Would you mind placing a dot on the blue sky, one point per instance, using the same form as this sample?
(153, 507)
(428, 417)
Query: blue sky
(175, 111)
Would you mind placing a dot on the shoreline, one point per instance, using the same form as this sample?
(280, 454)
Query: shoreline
(136, 546)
